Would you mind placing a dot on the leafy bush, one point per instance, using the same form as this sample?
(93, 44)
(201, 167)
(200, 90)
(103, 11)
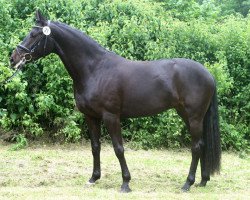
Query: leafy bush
(41, 100)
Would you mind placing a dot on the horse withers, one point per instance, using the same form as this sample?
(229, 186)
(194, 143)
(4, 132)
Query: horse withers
(108, 87)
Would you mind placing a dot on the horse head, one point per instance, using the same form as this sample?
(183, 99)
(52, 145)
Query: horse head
(38, 43)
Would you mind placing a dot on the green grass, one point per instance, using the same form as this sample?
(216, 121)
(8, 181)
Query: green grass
(61, 171)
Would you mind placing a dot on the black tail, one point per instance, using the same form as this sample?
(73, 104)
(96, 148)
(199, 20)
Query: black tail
(211, 138)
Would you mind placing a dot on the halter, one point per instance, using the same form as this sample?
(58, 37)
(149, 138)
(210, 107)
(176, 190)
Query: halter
(28, 55)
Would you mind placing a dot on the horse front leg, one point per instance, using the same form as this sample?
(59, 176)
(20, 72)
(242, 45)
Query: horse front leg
(112, 122)
(94, 126)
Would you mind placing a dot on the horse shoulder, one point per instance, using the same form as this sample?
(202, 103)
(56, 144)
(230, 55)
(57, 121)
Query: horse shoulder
(100, 93)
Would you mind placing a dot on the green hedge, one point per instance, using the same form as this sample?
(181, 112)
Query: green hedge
(40, 100)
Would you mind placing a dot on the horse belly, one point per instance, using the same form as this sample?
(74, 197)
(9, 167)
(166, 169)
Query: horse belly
(140, 111)
(146, 101)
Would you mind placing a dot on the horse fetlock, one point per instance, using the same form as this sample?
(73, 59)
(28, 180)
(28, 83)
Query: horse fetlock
(191, 180)
(202, 183)
(126, 177)
(95, 176)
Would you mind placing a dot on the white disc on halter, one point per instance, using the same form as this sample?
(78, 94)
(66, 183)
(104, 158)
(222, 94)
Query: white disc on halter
(46, 30)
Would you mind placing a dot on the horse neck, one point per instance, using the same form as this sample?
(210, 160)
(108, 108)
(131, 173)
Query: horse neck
(79, 53)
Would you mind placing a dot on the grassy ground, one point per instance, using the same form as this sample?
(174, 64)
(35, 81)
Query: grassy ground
(60, 172)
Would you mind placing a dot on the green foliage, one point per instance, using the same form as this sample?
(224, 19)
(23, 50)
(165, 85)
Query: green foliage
(233, 6)
(40, 99)
(21, 142)
(164, 130)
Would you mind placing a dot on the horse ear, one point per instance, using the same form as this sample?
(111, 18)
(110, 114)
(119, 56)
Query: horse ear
(39, 17)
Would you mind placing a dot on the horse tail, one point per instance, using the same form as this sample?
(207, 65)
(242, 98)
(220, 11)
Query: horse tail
(211, 138)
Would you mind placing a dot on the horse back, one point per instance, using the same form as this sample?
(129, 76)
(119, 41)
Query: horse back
(151, 87)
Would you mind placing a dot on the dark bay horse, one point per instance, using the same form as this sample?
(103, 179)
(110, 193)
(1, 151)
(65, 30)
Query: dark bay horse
(109, 87)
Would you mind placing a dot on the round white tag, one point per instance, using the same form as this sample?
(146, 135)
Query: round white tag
(46, 30)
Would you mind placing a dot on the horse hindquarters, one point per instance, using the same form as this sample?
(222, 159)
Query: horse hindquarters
(204, 130)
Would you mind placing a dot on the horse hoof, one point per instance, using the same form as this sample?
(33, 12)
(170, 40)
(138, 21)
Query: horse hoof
(185, 188)
(202, 184)
(125, 190)
(89, 184)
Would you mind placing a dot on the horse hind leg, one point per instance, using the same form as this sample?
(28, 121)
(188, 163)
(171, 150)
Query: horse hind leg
(205, 175)
(195, 128)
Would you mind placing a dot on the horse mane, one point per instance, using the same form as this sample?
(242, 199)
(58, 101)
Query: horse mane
(81, 34)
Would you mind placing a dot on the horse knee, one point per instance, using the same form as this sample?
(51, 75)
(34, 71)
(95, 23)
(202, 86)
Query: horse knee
(96, 149)
(197, 146)
(196, 127)
(119, 151)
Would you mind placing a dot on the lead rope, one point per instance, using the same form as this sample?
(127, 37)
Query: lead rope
(18, 67)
